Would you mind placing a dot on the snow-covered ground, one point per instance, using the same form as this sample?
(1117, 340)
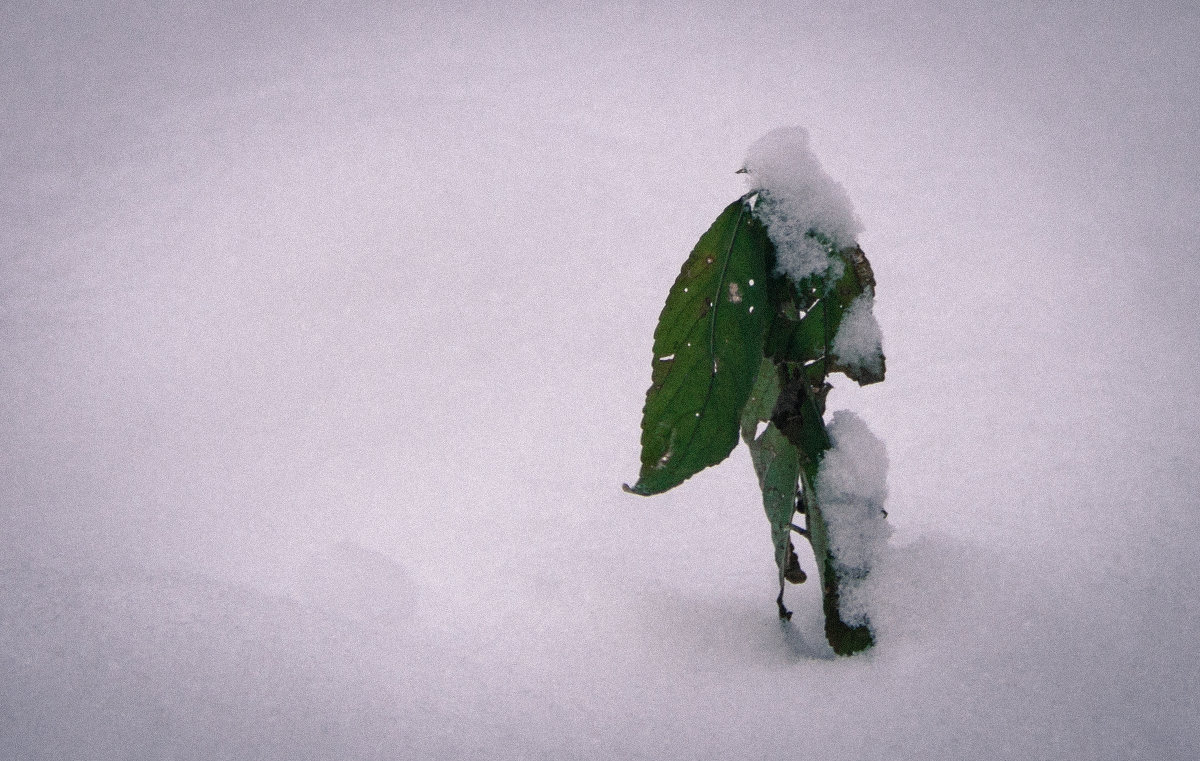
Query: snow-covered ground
(324, 335)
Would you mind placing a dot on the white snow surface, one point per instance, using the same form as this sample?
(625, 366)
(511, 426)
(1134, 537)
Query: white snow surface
(796, 199)
(851, 490)
(858, 343)
(325, 334)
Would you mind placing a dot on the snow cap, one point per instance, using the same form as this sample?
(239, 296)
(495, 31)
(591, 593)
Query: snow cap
(796, 199)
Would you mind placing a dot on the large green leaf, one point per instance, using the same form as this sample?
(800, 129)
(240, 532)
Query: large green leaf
(707, 349)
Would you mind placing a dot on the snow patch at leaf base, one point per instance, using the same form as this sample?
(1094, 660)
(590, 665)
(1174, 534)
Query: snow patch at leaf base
(851, 489)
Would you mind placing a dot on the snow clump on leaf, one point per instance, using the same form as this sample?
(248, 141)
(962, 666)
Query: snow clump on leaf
(858, 344)
(851, 489)
(807, 213)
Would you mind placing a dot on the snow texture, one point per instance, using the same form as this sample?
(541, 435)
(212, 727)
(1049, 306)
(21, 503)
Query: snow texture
(851, 490)
(806, 212)
(858, 344)
(322, 359)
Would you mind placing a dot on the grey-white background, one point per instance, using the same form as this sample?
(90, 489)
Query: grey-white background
(324, 334)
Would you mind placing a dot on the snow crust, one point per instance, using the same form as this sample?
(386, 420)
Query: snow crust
(322, 359)
(858, 343)
(797, 199)
(851, 489)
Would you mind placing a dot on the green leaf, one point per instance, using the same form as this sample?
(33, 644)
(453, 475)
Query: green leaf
(809, 314)
(799, 415)
(707, 349)
(762, 400)
(777, 465)
(798, 423)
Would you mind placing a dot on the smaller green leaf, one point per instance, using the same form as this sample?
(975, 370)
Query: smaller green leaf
(777, 465)
(797, 434)
(798, 416)
(762, 400)
(808, 316)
